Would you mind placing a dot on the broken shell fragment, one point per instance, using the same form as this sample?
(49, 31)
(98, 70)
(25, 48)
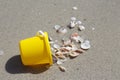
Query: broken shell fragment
(85, 45)
(57, 27)
(80, 27)
(63, 69)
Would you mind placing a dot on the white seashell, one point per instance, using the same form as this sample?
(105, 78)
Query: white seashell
(62, 30)
(80, 39)
(59, 62)
(73, 18)
(63, 69)
(79, 22)
(85, 45)
(57, 27)
(1, 52)
(74, 8)
(72, 24)
(56, 46)
(80, 27)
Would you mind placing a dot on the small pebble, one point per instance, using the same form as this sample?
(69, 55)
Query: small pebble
(93, 28)
(74, 8)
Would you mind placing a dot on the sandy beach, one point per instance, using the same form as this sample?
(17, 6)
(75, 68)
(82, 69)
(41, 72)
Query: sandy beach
(21, 19)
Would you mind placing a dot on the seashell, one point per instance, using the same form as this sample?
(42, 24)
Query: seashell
(85, 45)
(62, 30)
(75, 34)
(60, 55)
(79, 22)
(74, 47)
(63, 49)
(76, 37)
(56, 46)
(73, 18)
(79, 51)
(72, 24)
(59, 62)
(63, 69)
(73, 54)
(80, 39)
(74, 8)
(66, 42)
(80, 27)
(57, 27)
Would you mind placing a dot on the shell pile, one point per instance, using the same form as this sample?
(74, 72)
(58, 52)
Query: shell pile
(70, 47)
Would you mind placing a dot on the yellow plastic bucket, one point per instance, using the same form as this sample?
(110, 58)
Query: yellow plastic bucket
(36, 50)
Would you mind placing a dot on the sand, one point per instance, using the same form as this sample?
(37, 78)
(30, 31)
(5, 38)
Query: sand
(20, 19)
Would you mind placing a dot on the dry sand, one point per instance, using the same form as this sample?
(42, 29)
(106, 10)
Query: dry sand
(20, 19)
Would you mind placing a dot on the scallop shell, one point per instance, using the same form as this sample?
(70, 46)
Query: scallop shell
(85, 45)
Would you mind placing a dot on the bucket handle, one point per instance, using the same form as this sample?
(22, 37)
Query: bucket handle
(41, 32)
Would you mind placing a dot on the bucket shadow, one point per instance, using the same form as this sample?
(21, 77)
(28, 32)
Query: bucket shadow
(15, 66)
